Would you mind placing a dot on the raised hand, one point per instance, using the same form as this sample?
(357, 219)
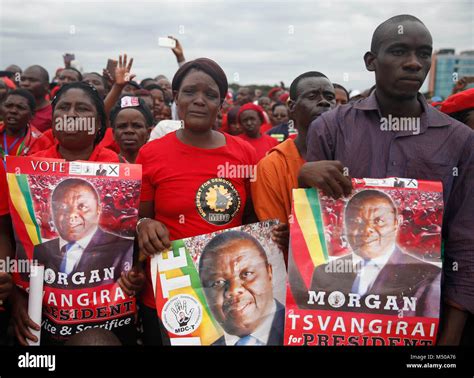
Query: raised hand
(178, 50)
(122, 72)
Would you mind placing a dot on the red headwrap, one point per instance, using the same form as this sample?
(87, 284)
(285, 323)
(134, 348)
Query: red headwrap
(459, 101)
(8, 82)
(272, 91)
(252, 106)
(283, 97)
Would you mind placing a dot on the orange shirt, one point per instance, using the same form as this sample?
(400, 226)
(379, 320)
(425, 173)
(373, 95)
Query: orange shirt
(277, 176)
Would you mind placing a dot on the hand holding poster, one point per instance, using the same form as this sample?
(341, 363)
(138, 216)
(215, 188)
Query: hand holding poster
(224, 288)
(35, 306)
(77, 219)
(365, 270)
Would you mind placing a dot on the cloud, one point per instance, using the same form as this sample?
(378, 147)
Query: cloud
(264, 42)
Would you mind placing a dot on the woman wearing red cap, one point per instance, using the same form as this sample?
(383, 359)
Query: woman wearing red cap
(460, 106)
(251, 119)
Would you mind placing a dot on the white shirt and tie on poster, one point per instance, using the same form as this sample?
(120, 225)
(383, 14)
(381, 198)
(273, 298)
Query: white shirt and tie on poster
(72, 252)
(367, 271)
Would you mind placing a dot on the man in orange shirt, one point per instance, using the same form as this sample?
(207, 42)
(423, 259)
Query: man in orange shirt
(311, 94)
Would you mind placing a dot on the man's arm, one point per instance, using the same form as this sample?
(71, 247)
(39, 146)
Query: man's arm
(6, 252)
(458, 233)
(267, 201)
(322, 171)
(178, 52)
(321, 139)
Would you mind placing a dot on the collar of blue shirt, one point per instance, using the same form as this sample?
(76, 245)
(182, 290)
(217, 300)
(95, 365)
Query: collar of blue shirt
(430, 117)
(262, 332)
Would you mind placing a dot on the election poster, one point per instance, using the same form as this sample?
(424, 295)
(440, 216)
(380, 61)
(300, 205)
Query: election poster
(223, 288)
(365, 269)
(77, 219)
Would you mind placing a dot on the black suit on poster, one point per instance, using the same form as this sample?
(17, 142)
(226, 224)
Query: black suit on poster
(276, 331)
(402, 275)
(105, 250)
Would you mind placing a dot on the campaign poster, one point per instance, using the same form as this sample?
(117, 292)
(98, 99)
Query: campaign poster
(366, 269)
(224, 288)
(78, 220)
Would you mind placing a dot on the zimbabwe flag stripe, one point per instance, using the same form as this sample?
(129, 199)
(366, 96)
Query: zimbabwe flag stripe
(21, 199)
(306, 220)
(299, 252)
(313, 198)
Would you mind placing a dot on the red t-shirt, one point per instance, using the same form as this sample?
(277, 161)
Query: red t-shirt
(49, 134)
(262, 145)
(43, 118)
(99, 154)
(29, 144)
(265, 127)
(193, 190)
(4, 209)
(109, 141)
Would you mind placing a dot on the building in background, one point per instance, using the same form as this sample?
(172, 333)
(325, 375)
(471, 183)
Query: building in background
(446, 68)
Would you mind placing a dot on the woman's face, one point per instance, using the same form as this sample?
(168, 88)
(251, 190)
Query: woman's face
(16, 113)
(75, 120)
(166, 113)
(130, 130)
(198, 100)
(96, 82)
(67, 76)
(280, 115)
(158, 104)
(250, 122)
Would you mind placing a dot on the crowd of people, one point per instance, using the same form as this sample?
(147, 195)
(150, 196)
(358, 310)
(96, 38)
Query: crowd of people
(315, 133)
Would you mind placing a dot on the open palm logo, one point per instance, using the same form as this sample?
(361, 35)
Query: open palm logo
(182, 314)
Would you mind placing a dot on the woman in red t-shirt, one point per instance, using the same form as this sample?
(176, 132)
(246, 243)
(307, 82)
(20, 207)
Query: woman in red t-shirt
(132, 122)
(251, 120)
(17, 138)
(74, 140)
(185, 191)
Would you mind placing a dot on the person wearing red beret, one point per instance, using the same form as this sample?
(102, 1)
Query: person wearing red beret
(460, 106)
(251, 119)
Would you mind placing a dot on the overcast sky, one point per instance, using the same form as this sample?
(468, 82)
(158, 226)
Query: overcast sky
(255, 41)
